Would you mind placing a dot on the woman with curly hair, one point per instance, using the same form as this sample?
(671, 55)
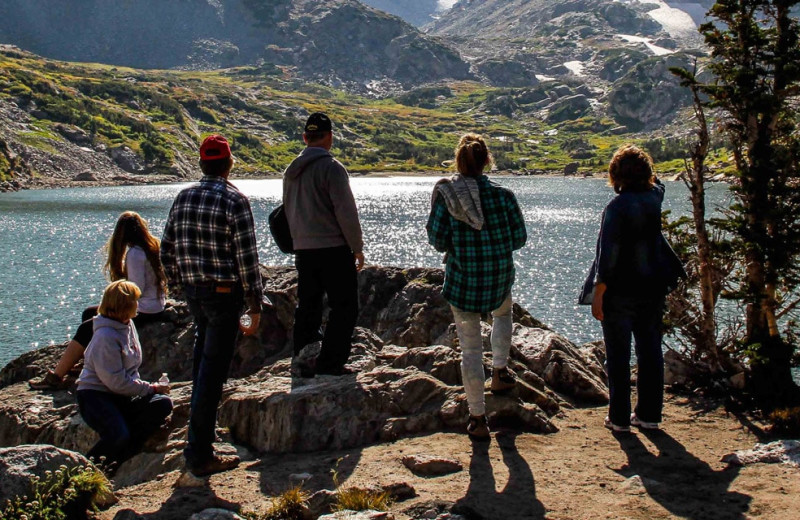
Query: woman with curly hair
(132, 254)
(634, 270)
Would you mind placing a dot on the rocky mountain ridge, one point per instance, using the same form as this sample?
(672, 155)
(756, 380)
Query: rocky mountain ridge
(339, 41)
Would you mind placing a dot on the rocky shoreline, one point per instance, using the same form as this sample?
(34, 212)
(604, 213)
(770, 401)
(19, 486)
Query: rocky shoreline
(408, 379)
(396, 425)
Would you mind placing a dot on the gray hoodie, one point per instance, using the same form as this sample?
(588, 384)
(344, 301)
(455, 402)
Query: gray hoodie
(112, 359)
(319, 203)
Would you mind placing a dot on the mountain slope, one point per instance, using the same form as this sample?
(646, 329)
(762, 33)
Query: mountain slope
(339, 41)
(416, 12)
(619, 51)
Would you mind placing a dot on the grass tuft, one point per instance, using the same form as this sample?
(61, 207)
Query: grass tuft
(289, 505)
(358, 499)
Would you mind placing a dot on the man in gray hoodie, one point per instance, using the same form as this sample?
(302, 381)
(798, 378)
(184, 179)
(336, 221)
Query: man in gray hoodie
(328, 244)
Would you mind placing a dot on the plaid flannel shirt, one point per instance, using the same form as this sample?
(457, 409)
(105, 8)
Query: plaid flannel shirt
(479, 269)
(210, 237)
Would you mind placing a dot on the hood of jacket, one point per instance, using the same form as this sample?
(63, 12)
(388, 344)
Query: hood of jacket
(311, 153)
(101, 322)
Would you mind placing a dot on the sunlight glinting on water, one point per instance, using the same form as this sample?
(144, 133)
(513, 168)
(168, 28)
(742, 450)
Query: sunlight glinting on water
(51, 245)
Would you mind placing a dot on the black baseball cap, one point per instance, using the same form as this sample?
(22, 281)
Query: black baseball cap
(318, 122)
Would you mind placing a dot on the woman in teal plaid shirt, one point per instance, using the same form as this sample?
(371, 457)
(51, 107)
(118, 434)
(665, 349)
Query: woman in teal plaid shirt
(478, 224)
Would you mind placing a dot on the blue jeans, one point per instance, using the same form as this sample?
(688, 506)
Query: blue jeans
(124, 423)
(216, 311)
(330, 271)
(640, 317)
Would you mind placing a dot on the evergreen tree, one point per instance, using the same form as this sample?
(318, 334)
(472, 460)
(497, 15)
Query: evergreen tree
(756, 62)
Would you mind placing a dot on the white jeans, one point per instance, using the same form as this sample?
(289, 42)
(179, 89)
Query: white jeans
(468, 325)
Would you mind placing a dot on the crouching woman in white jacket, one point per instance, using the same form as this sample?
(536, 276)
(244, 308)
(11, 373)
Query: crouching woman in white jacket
(113, 400)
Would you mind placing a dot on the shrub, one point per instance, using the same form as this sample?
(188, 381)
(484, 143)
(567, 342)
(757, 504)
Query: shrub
(65, 494)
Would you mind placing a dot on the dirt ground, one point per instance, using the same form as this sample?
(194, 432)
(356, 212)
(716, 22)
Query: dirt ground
(582, 472)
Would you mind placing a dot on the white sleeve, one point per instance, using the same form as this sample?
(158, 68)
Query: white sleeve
(136, 267)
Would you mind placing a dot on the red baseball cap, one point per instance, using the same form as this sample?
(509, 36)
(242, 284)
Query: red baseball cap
(214, 147)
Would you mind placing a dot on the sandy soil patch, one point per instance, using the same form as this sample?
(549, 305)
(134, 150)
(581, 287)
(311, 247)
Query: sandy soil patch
(581, 472)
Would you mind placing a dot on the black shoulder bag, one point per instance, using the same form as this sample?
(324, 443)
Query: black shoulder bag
(279, 227)
(279, 224)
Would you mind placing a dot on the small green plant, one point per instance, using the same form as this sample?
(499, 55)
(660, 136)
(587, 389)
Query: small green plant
(289, 505)
(358, 499)
(64, 494)
(786, 420)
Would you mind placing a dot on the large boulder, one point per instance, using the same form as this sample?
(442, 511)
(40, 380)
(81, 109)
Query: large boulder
(280, 414)
(19, 464)
(562, 365)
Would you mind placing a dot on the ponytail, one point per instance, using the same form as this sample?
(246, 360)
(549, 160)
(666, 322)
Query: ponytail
(472, 155)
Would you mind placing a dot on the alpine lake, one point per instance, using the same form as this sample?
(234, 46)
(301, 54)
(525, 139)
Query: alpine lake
(51, 244)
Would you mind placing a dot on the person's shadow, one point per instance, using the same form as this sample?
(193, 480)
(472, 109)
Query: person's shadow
(518, 497)
(683, 484)
(183, 503)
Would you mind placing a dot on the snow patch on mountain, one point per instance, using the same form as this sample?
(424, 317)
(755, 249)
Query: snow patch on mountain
(679, 19)
(655, 49)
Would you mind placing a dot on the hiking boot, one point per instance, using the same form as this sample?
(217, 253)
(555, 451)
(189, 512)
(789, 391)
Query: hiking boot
(615, 427)
(502, 381)
(50, 381)
(216, 464)
(635, 421)
(478, 428)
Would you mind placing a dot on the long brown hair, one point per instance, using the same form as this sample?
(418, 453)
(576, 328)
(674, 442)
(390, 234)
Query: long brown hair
(131, 230)
(472, 155)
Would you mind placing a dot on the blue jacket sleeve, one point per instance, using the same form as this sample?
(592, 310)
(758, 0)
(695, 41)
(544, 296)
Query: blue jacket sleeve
(440, 233)
(609, 244)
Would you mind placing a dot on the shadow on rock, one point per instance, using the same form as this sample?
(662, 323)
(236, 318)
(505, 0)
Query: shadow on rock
(682, 483)
(483, 501)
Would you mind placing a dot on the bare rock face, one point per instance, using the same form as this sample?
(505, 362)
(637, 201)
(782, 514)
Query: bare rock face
(560, 363)
(407, 379)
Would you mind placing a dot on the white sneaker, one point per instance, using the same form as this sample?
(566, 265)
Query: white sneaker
(615, 427)
(635, 421)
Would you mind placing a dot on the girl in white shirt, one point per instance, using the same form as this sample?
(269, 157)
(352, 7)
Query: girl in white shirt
(133, 254)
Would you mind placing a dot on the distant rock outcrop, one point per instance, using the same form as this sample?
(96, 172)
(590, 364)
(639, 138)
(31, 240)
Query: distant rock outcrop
(415, 12)
(338, 41)
(407, 380)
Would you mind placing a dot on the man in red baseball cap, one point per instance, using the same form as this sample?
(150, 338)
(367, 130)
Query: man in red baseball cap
(209, 251)
(214, 147)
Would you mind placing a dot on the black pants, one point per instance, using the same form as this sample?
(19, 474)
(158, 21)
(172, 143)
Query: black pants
(640, 317)
(330, 271)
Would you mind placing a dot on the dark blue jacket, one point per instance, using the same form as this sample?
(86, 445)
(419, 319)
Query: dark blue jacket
(632, 256)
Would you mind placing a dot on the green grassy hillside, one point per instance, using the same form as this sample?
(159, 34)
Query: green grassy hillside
(162, 115)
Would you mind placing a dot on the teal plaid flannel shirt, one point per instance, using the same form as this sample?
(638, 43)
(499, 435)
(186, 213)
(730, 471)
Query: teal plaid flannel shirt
(480, 268)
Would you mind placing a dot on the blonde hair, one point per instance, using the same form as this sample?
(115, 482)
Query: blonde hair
(472, 155)
(119, 300)
(631, 168)
(131, 230)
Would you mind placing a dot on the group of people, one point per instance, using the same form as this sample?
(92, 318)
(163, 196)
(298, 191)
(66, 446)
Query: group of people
(208, 253)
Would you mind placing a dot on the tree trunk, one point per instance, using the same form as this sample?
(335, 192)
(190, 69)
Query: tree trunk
(707, 340)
